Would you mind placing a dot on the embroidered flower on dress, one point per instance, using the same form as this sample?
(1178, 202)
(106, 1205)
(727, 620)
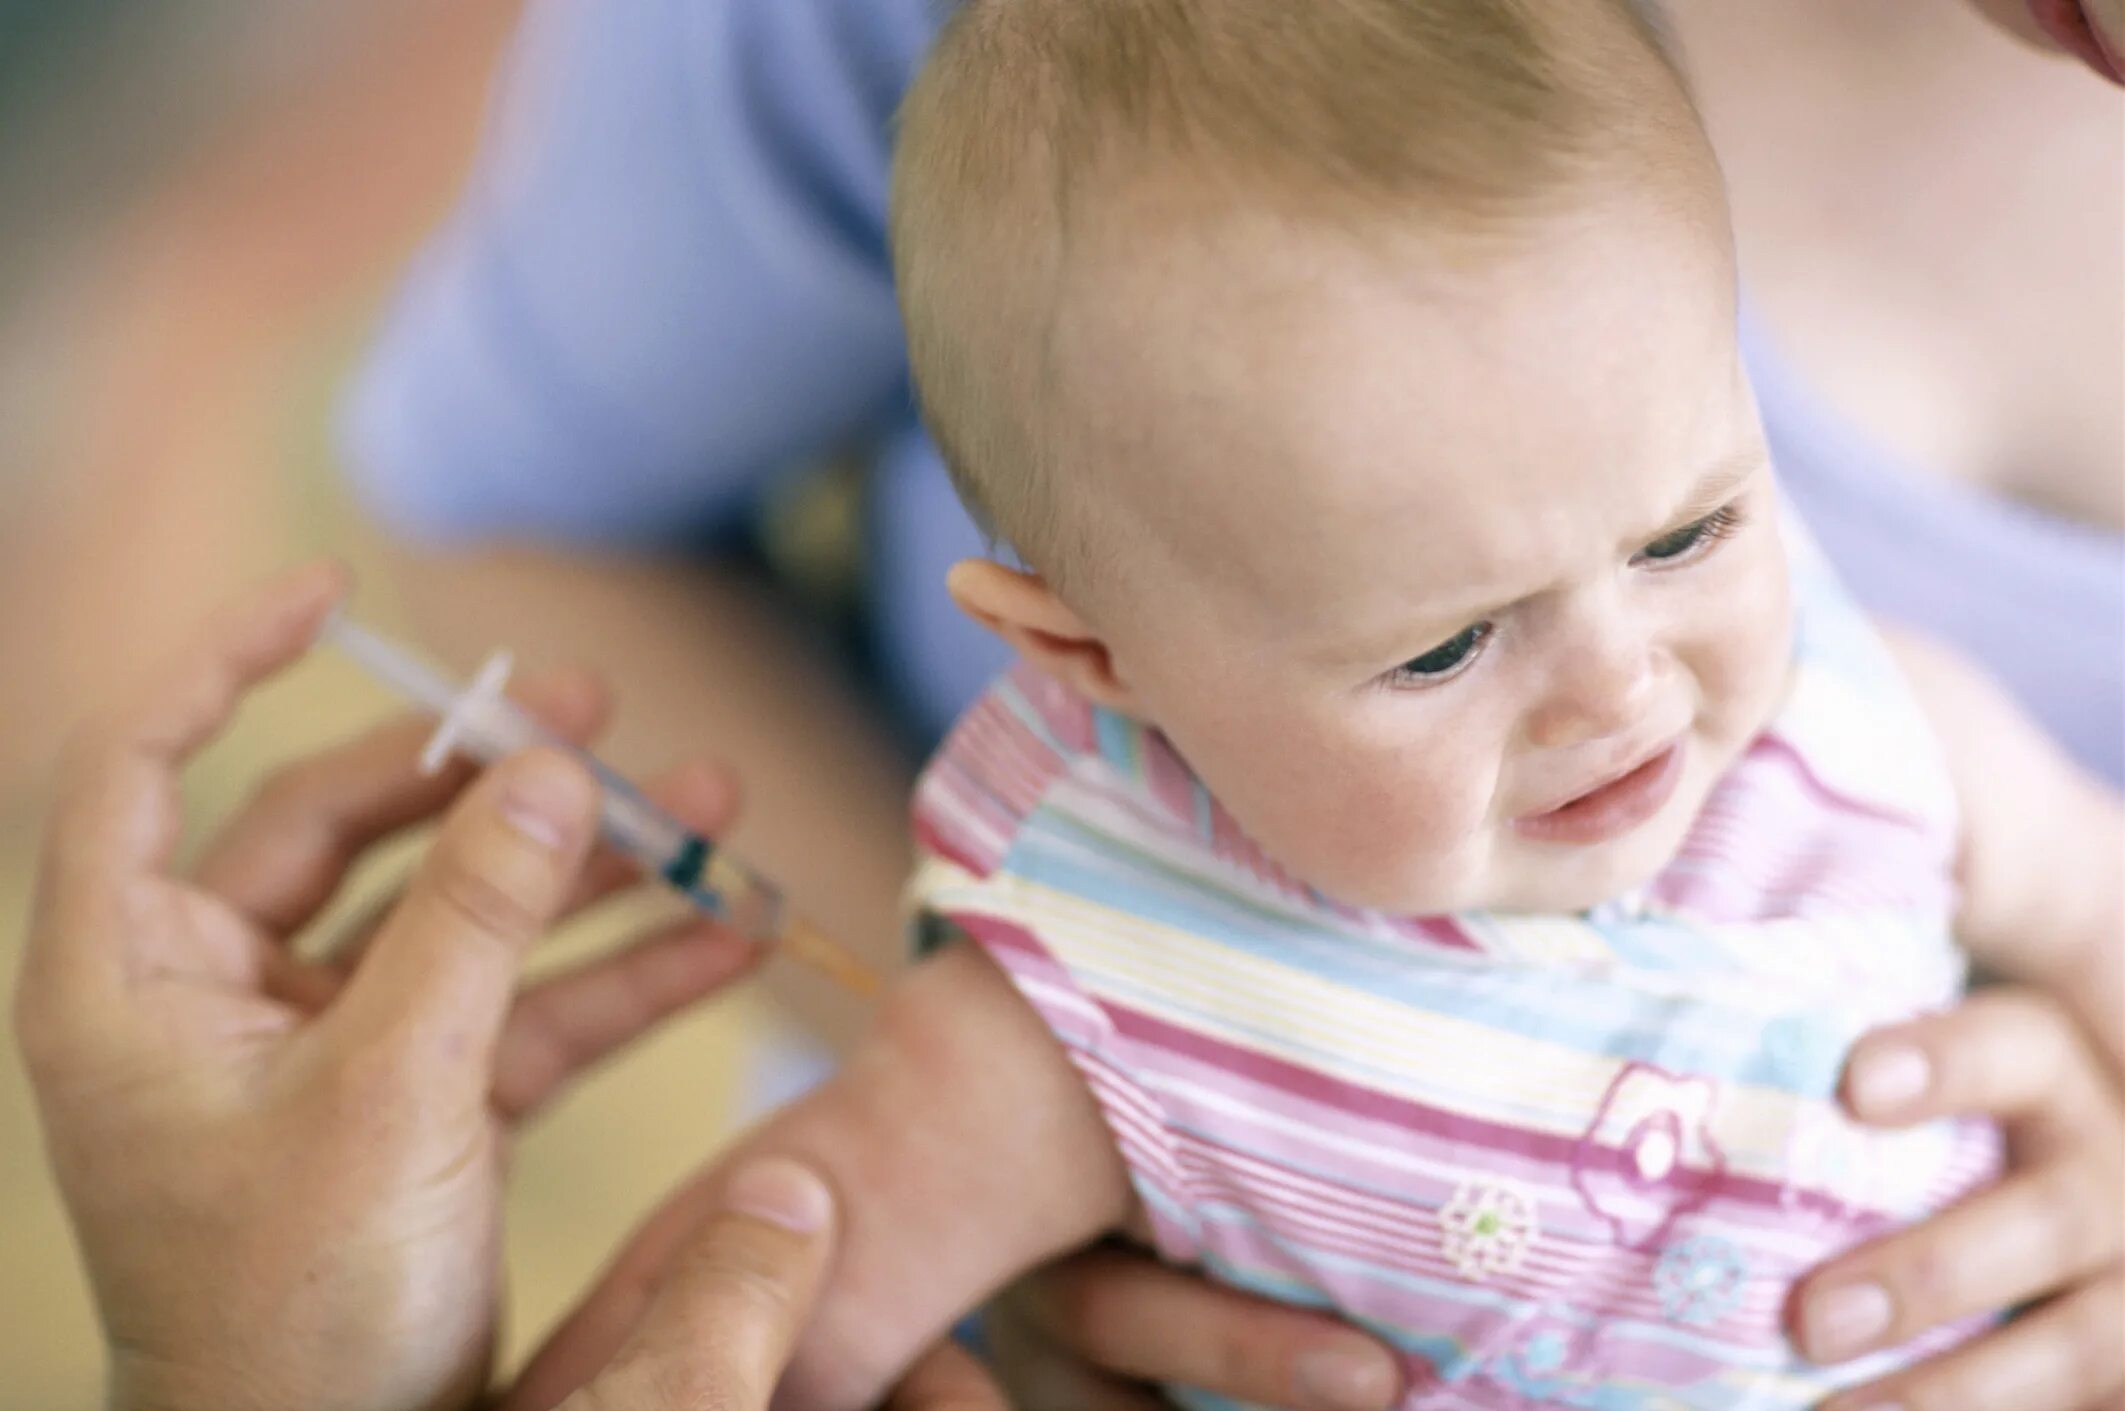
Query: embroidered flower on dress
(1648, 1156)
(1487, 1228)
(1699, 1279)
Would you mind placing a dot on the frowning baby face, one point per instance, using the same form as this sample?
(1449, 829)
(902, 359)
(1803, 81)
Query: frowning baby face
(1456, 576)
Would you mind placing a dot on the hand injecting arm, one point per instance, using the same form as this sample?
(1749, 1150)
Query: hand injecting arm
(285, 1174)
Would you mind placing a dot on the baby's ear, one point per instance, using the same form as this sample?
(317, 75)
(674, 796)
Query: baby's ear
(1019, 607)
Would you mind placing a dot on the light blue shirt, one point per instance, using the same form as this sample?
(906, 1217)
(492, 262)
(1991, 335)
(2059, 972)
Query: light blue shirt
(668, 282)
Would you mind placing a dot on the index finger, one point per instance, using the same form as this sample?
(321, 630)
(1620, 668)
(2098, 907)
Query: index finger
(2009, 1054)
(119, 813)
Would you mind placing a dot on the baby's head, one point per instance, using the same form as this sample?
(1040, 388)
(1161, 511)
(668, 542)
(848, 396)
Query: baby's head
(1357, 380)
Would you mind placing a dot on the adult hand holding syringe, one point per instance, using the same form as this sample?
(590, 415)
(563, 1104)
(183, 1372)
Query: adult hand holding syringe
(479, 721)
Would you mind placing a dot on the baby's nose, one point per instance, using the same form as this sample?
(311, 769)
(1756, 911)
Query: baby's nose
(1601, 690)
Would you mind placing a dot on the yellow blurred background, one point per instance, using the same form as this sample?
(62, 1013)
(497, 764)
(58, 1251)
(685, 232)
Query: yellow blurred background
(202, 210)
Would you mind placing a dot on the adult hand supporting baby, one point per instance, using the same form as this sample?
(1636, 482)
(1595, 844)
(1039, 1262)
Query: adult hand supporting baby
(1092, 1332)
(286, 1175)
(2050, 1237)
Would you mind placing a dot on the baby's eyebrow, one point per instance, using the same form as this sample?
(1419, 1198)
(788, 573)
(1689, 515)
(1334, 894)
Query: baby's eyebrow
(1718, 484)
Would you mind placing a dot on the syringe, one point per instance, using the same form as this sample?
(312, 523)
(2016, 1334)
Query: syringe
(480, 721)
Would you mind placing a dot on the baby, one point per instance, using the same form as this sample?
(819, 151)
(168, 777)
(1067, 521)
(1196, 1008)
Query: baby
(1447, 828)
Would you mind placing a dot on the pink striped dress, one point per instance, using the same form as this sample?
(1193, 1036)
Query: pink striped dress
(1558, 1161)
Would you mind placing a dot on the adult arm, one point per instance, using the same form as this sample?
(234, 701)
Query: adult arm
(665, 280)
(2042, 863)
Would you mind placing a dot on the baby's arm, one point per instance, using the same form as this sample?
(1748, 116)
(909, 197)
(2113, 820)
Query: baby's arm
(964, 1148)
(2042, 865)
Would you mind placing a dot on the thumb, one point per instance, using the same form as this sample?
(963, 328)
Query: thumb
(721, 1329)
(441, 974)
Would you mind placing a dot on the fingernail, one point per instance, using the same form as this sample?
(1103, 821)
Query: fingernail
(1348, 1376)
(543, 799)
(1845, 1321)
(1890, 1080)
(782, 1193)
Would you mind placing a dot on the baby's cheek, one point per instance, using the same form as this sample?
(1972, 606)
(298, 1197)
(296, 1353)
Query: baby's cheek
(1743, 654)
(1392, 831)
(1384, 808)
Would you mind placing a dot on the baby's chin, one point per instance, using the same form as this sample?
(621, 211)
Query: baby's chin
(1520, 878)
(1558, 881)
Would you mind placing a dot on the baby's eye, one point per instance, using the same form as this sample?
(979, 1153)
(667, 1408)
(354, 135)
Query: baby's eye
(1691, 539)
(1446, 659)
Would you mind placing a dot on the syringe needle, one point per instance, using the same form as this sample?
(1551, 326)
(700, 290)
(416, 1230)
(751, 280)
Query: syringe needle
(831, 959)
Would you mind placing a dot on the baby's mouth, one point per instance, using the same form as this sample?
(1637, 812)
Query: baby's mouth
(1612, 807)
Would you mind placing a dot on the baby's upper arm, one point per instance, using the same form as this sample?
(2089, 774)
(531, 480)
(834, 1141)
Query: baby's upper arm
(964, 1148)
(2043, 843)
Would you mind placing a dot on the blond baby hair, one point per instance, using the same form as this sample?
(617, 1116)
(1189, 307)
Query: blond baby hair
(1462, 114)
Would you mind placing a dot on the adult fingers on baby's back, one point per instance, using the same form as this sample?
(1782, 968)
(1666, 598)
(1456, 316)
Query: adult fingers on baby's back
(948, 1378)
(2056, 1224)
(2064, 1356)
(288, 849)
(2049, 1228)
(1041, 1375)
(1132, 1316)
(2010, 1054)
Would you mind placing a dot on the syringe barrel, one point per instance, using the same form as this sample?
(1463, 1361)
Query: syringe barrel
(710, 878)
(489, 726)
(632, 824)
(481, 721)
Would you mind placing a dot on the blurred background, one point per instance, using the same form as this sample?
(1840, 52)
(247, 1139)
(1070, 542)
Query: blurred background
(203, 208)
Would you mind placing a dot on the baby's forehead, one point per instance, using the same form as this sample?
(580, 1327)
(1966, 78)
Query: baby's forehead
(1261, 335)
(1283, 405)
